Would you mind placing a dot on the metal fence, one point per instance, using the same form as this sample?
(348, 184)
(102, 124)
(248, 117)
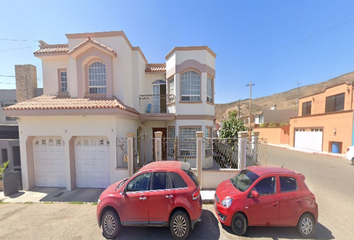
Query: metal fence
(144, 146)
(223, 150)
(122, 153)
(256, 152)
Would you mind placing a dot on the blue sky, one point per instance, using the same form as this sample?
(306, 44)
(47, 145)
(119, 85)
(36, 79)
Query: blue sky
(274, 44)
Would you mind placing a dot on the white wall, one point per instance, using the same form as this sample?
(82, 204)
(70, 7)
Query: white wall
(212, 178)
(50, 66)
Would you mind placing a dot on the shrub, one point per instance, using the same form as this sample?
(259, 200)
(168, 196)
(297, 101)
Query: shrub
(263, 125)
(2, 168)
(272, 125)
(283, 124)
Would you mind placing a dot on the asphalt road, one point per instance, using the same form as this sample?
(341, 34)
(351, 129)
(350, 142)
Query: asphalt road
(329, 178)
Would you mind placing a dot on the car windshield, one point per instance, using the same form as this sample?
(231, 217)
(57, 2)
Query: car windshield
(244, 180)
(121, 183)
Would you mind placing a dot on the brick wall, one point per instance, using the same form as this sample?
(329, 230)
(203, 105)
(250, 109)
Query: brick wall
(26, 82)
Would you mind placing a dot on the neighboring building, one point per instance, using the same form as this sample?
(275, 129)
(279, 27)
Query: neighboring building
(97, 88)
(325, 120)
(275, 116)
(26, 88)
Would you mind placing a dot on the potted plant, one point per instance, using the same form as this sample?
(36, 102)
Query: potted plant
(2, 170)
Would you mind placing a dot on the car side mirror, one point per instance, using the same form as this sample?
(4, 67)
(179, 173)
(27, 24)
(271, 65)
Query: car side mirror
(124, 191)
(255, 194)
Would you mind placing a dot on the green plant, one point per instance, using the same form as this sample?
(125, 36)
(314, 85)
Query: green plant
(2, 168)
(283, 124)
(272, 125)
(263, 125)
(95, 203)
(232, 126)
(185, 159)
(76, 202)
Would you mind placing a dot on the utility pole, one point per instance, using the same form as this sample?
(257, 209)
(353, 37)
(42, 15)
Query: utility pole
(298, 94)
(250, 128)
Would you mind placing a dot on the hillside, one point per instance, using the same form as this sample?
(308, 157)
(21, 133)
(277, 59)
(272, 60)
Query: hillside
(284, 100)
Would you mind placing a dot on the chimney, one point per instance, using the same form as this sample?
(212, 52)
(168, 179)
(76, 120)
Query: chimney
(26, 82)
(274, 107)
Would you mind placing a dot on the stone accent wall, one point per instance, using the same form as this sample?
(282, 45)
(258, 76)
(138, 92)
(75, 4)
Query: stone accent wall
(26, 82)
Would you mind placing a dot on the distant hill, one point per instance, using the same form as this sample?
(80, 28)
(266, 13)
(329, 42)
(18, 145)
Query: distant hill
(284, 100)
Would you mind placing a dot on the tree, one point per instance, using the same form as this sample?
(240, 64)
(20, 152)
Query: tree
(232, 126)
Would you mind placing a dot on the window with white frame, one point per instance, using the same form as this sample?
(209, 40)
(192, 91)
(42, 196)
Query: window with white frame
(210, 91)
(97, 78)
(171, 89)
(171, 141)
(190, 86)
(63, 81)
(187, 143)
(208, 136)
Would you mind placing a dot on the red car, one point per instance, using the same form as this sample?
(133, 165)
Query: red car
(161, 194)
(266, 196)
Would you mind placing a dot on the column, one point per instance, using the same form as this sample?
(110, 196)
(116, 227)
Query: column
(158, 145)
(255, 136)
(242, 140)
(130, 138)
(199, 157)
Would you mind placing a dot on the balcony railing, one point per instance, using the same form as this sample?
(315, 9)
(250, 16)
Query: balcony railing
(155, 103)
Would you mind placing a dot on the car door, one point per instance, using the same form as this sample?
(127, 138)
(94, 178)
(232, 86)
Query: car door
(161, 199)
(290, 201)
(135, 203)
(264, 210)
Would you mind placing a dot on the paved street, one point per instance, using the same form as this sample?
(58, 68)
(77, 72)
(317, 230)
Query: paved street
(329, 178)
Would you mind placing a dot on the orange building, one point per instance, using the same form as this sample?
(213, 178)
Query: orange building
(325, 120)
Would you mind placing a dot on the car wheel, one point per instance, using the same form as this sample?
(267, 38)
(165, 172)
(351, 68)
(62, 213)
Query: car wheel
(239, 224)
(179, 225)
(306, 225)
(110, 224)
(353, 161)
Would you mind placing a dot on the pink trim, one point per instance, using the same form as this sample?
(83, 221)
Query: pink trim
(196, 65)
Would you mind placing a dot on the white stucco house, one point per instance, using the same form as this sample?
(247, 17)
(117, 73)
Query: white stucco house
(96, 89)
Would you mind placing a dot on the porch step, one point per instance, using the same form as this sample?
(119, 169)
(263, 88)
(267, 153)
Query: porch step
(207, 196)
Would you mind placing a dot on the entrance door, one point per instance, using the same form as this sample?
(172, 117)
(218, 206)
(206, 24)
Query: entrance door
(163, 141)
(159, 98)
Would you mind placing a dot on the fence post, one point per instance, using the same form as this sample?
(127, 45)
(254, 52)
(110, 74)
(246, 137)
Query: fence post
(130, 137)
(255, 136)
(175, 148)
(199, 160)
(242, 140)
(158, 145)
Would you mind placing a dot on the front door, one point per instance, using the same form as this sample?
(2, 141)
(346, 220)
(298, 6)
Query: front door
(264, 209)
(163, 142)
(135, 203)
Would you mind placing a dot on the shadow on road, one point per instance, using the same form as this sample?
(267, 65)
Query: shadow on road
(321, 232)
(206, 229)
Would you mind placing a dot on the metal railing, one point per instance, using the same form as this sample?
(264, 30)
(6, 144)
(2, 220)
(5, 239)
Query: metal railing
(224, 151)
(155, 103)
(256, 152)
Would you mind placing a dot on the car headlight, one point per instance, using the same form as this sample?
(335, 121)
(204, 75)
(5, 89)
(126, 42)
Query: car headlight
(98, 201)
(226, 202)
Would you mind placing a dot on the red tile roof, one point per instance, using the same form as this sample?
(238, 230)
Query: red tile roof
(155, 67)
(95, 42)
(52, 102)
(46, 49)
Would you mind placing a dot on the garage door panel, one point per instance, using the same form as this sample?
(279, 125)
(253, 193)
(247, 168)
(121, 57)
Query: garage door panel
(92, 160)
(49, 162)
(309, 140)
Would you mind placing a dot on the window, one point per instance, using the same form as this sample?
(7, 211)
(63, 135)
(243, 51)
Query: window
(288, 184)
(208, 136)
(335, 103)
(192, 175)
(9, 118)
(171, 90)
(171, 141)
(158, 181)
(306, 108)
(16, 155)
(266, 186)
(244, 180)
(190, 86)
(210, 91)
(177, 181)
(187, 145)
(63, 81)
(97, 78)
(4, 155)
(140, 183)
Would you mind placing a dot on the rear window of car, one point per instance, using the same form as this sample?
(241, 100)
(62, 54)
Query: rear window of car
(288, 184)
(192, 175)
(177, 181)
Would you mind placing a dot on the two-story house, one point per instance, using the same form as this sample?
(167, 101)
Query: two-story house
(325, 120)
(97, 88)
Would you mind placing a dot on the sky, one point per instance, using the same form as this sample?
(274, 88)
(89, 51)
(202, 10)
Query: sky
(276, 45)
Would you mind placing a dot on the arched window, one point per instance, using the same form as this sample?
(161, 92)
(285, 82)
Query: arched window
(97, 78)
(190, 86)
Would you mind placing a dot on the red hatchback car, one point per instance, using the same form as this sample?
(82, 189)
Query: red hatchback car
(266, 196)
(161, 194)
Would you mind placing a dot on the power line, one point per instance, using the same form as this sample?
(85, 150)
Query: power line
(5, 50)
(17, 40)
(6, 83)
(6, 76)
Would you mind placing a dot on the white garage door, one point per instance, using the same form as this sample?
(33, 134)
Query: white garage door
(92, 162)
(49, 162)
(309, 139)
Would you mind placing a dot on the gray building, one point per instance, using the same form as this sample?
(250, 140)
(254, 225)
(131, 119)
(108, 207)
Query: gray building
(26, 88)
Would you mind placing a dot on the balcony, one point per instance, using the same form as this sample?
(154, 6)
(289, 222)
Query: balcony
(157, 106)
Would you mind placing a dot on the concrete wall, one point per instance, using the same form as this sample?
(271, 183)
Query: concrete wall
(341, 122)
(50, 66)
(277, 135)
(212, 178)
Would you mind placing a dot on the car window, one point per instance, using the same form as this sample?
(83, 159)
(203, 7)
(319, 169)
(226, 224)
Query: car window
(158, 180)
(266, 186)
(139, 183)
(192, 175)
(244, 180)
(177, 181)
(288, 184)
